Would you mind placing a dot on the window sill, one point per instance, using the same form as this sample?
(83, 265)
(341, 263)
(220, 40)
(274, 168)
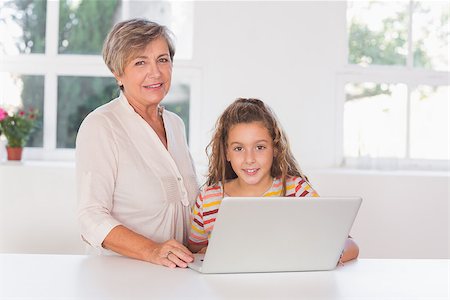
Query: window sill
(38, 164)
(377, 172)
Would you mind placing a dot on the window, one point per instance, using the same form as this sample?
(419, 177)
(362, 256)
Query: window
(51, 59)
(395, 87)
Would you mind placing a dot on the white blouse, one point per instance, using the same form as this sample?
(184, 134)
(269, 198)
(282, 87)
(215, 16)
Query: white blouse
(125, 176)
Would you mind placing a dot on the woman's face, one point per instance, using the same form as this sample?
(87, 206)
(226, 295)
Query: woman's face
(250, 152)
(147, 77)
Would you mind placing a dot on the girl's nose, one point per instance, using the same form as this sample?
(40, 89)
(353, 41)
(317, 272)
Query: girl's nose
(249, 157)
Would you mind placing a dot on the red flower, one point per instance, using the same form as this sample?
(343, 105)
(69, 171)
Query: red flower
(3, 114)
(18, 127)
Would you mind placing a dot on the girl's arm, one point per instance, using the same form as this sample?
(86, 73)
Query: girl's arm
(198, 238)
(196, 248)
(351, 250)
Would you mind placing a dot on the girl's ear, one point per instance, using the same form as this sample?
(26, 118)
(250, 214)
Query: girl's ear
(226, 152)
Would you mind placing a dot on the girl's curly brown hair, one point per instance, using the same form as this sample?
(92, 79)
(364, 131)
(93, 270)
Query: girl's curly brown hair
(247, 110)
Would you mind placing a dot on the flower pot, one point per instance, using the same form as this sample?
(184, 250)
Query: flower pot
(14, 153)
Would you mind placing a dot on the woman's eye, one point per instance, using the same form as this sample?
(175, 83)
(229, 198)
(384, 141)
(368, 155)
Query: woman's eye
(139, 63)
(164, 60)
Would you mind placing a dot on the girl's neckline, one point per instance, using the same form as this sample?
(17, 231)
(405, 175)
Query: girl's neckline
(274, 180)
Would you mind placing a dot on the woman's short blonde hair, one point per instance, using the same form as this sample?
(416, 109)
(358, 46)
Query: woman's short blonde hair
(127, 38)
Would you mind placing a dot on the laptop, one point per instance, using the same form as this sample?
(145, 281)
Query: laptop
(278, 234)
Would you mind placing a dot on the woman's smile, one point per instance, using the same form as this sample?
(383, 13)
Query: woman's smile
(153, 86)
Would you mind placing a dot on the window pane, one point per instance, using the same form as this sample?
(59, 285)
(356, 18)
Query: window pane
(431, 35)
(84, 24)
(176, 15)
(430, 123)
(375, 120)
(177, 101)
(24, 91)
(78, 96)
(22, 26)
(378, 32)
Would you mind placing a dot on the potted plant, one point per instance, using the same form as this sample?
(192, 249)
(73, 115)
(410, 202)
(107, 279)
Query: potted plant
(17, 128)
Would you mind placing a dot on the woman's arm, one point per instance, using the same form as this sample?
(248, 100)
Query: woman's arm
(128, 243)
(351, 250)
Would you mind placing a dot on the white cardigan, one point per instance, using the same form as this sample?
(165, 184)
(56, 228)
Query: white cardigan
(126, 176)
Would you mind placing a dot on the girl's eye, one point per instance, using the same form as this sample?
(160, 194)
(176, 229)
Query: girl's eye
(237, 148)
(139, 63)
(260, 147)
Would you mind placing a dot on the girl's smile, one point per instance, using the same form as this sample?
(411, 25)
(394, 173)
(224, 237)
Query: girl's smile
(251, 172)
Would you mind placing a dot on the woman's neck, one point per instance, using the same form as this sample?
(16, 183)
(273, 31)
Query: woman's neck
(153, 115)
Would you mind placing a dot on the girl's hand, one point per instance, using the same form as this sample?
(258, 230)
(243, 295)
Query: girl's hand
(351, 251)
(340, 262)
(171, 254)
(203, 250)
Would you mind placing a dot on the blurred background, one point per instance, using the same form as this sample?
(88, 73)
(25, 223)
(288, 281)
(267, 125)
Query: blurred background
(361, 88)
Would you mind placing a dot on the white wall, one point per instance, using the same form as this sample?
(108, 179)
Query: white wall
(286, 54)
(37, 209)
(403, 214)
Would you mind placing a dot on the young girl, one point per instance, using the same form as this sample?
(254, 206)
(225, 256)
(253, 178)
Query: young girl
(249, 156)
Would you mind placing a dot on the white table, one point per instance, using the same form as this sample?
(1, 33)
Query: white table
(34, 276)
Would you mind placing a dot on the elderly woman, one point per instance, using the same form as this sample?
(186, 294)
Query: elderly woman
(135, 177)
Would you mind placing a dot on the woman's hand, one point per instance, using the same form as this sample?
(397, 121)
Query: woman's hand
(171, 254)
(128, 243)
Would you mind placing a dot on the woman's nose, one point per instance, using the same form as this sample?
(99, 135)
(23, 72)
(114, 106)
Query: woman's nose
(153, 70)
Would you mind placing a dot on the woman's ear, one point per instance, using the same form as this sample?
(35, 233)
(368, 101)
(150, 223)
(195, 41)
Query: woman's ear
(119, 82)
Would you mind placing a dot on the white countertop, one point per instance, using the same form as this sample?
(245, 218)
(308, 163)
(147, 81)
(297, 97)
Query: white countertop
(38, 276)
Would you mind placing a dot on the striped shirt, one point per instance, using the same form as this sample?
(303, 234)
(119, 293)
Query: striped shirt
(208, 202)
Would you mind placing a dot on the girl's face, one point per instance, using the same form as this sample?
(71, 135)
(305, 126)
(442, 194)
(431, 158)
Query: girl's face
(250, 152)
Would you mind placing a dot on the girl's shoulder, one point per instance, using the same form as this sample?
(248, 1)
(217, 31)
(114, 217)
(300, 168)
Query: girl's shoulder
(210, 193)
(299, 187)
(294, 180)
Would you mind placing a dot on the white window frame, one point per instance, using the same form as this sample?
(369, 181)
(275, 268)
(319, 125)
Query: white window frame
(51, 64)
(408, 75)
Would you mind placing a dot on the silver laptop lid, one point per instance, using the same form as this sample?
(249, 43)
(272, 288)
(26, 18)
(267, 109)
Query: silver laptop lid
(273, 234)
